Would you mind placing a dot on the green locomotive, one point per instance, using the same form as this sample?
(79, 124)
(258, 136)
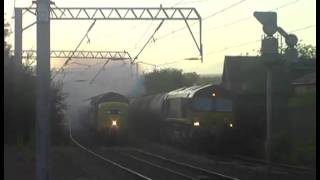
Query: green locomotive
(109, 113)
(197, 115)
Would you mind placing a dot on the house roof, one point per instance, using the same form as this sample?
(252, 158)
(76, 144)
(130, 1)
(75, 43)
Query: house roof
(247, 74)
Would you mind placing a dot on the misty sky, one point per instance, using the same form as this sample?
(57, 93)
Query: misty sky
(219, 37)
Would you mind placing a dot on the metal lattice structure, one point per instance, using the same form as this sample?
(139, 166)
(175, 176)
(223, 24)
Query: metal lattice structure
(108, 13)
(112, 55)
(138, 13)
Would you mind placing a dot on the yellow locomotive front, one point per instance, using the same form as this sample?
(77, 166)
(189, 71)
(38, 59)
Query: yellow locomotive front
(112, 117)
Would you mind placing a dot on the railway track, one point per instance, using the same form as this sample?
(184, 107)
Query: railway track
(182, 169)
(147, 166)
(240, 167)
(277, 166)
(122, 167)
(143, 164)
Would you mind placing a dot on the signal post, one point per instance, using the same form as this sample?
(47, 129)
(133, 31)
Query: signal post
(271, 57)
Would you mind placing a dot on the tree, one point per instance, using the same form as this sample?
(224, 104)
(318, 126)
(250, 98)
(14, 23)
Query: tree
(164, 80)
(214, 79)
(190, 79)
(306, 51)
(58, 107)
(19, 101)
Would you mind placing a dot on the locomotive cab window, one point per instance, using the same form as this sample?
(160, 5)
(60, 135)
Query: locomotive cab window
(114, 111)
(212, 104)
(202, 104)
(223, 104)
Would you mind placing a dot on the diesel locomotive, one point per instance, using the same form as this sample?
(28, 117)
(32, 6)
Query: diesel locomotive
(109, 116)
(197, 115)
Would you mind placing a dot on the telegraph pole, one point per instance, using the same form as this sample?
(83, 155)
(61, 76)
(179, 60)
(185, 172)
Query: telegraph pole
(43, 90)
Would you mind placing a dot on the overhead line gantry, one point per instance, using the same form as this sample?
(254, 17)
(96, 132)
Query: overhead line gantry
(109, 13)
(112, 55)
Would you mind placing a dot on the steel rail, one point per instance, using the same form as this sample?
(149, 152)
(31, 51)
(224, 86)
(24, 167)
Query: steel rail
(160, 167)
(105, 159)
(185, 164)
(304, 170)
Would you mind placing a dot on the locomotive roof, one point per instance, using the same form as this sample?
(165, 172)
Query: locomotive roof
(190, 92)
(110, 96)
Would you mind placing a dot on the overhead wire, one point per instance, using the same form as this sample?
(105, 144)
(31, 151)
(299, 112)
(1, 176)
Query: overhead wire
(257, 40)
(75, 50)
(195, 1)
(203, 19)
(249, 17)
(230, 23)
(284, 5)
(177, 3)
(102, 68)
(207, 17)
(141, 37)
(148, 40)
(303, 28)
(224, 9)
(234, 46)
(246, 18)
(148, 28)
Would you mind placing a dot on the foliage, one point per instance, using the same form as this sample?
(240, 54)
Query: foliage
(20, 101)
(190, 79)
(305, 51)
(165, 80)
(215, 79)
(58, 107)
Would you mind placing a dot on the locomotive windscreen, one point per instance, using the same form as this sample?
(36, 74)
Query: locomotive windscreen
(212, 104)
(212, 98)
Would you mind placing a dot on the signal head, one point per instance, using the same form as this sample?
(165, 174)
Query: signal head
(268, 20)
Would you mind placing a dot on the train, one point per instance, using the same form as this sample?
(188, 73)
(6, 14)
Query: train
(109, 116)
(196, 115)
(200, 116)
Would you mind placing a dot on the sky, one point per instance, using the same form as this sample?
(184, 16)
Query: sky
(225, 31)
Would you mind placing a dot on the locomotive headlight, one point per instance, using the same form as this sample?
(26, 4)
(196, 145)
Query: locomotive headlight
(114, 122)
(231, 125)
(196, 123)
